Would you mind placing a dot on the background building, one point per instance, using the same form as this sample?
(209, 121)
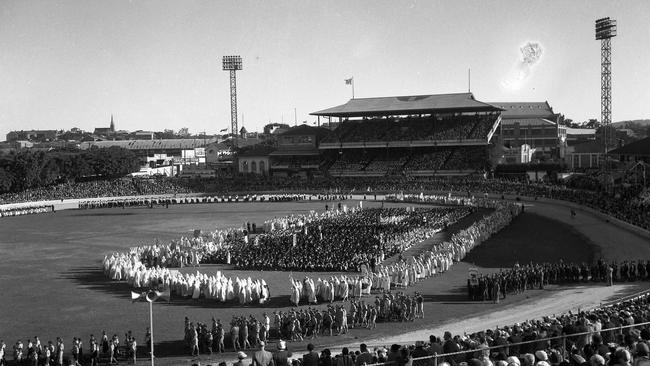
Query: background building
(534, 124)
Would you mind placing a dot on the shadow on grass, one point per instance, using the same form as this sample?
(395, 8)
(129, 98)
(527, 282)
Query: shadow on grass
(99, 214)
(533, 238)
(457, 295)
(93, 278)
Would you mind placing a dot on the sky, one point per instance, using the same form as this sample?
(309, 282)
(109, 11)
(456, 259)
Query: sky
(156, 65)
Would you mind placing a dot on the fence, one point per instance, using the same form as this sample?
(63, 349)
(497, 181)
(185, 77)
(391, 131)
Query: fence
(436, 359)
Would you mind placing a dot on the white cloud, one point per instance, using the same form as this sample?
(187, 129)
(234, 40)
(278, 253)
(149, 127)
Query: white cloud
(530, 56)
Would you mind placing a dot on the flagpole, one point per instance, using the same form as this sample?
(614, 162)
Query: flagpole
(353, 87)
(151, 328)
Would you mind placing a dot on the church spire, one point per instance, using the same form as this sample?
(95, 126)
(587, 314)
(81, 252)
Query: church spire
(112, 124)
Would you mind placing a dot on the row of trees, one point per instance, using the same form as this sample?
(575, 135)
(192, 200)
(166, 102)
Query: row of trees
(33, 169)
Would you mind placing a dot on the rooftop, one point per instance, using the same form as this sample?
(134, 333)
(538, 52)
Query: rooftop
(527, 121)
(412, 104)
(305, 130)
(182, 144)
(641, 147)
(525, 110)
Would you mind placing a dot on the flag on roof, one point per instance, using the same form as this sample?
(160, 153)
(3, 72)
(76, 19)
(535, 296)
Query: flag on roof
(348, 81)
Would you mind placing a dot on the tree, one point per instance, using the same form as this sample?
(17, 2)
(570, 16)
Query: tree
(6, 180)
(593, 123)
(165, 135)
(183, 132)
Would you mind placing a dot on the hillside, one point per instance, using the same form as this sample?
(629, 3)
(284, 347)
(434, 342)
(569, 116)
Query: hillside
(640, 122)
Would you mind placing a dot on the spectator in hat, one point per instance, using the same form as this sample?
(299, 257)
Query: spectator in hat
(241, 356)
(282, 355)
(513, 361)
(394, 354)
(419, 351)
(326, 358)
(345, 359)
(529, 359)
(450, 346)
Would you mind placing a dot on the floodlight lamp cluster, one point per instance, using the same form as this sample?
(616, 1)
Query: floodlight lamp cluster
(232, 63)
(605, 28)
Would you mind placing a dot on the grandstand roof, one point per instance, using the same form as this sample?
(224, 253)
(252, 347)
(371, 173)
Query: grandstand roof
(525, 110)
(182, 144)
(412, 104)
(641, 147)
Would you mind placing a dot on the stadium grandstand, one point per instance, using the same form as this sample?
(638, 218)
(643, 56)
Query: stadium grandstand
(420, 135)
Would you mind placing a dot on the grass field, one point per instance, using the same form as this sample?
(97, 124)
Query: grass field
(51, 284)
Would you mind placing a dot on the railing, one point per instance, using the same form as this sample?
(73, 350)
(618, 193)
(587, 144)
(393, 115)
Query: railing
(435, 359)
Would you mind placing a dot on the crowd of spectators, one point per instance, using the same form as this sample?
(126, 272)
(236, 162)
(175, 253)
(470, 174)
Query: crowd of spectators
(28, 210)
(428, 161)
(98, 188)
(473, 158)
(627, 204)
(414, 128)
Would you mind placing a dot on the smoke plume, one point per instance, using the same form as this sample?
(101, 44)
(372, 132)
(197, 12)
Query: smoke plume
(531, 55)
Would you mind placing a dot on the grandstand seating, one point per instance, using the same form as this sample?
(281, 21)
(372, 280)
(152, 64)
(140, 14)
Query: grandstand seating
(465, 127)
(396, 162)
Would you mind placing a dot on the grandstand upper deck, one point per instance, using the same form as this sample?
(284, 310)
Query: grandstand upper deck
(414, 131)
(411, 121)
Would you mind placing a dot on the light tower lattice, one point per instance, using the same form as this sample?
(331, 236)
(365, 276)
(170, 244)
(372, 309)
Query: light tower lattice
(605, 31)
(232, 64)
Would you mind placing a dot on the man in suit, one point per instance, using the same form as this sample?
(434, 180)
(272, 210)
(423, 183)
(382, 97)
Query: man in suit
(311, 357)
(262, 357)
(365, 357)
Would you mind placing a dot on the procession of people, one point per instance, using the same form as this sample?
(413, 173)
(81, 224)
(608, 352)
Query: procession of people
(520, 278)
(300, 324)
(33, 353)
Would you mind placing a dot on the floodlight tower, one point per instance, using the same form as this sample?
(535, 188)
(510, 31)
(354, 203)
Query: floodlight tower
(232, 64)
(605, 31)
